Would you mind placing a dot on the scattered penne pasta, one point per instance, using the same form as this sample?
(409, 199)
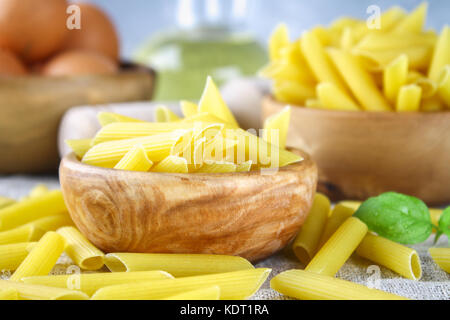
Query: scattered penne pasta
(49, 204)
(211, 293)
(441, 256)
(9, 294)
(338, 216)
(38, 191)
(4, 202)
(12, 255)
(305, 285)
(236, 285)
(42, 258)
(91, 282)
(307, 241)
(178, 265)
(396, 257)
(81, 250)
(34, 292)
(336, 251)
(135, 160)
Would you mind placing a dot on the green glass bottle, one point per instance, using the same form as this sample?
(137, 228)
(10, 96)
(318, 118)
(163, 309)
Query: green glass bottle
(210, 39)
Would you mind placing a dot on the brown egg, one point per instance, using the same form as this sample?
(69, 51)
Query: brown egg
(33, 29)
(97, 33)
(10, 65)
(79, 62)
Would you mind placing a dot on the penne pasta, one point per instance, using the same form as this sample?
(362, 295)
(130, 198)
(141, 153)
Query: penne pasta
(414, 22)
(131, 130)
(5, 202)
(293, 92)
(336, 251)
(331, 97)
(278, 41)
(210, 293)
(164, 114)
(49, 204)
(211, 166)
(135, 160)
(178, 265)
(9, 294)
(319, 62)
(38, 191)
(236, 285)
(157, 147)
(340, 213)
(244, 166)
(91, 282)
(105, 118)
(212, 102)
(280, 123)
(392, 41)
(34, 292)
(42, 257)
(433, 104)
(306, 243)
(80, 146)
(394, 77)
(188, 109)
(304, 285)
(444, 86)
(435, 215)
(441, 56)
(20, 234)
(409, 97)
(313, 104)
(12, 255)
(359, 81)
(81, 250)
(172, 164)
(351, 204)
(396, 257)
(441, 256)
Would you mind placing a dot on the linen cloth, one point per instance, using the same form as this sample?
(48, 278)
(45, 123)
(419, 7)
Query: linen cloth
(434, 285)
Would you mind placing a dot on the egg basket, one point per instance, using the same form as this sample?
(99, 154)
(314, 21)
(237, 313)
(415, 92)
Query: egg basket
(31, 108)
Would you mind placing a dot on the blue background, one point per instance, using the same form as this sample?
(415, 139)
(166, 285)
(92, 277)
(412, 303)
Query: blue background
(137, 19)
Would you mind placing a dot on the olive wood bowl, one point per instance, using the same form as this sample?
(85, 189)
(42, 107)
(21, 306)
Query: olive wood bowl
(249, 214)
(363, 154)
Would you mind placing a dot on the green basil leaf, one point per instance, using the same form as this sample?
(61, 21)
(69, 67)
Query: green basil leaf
(397, 217)
(444, 225)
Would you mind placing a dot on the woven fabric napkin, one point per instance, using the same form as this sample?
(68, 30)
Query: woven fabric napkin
(434, 285)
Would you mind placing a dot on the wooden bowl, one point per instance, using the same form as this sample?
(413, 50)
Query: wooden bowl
(246, 214)
(31, 108)
(363, 154)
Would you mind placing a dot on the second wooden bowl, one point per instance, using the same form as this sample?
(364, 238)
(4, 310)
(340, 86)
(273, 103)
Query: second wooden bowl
(31, 108)
(363, 154)
(249, 214)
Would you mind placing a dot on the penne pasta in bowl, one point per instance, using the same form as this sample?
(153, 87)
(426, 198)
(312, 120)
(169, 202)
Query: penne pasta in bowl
(197, 184)
(370, 105)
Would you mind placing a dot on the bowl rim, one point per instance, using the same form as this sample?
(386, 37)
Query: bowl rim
(388, 115)
(73, 160)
